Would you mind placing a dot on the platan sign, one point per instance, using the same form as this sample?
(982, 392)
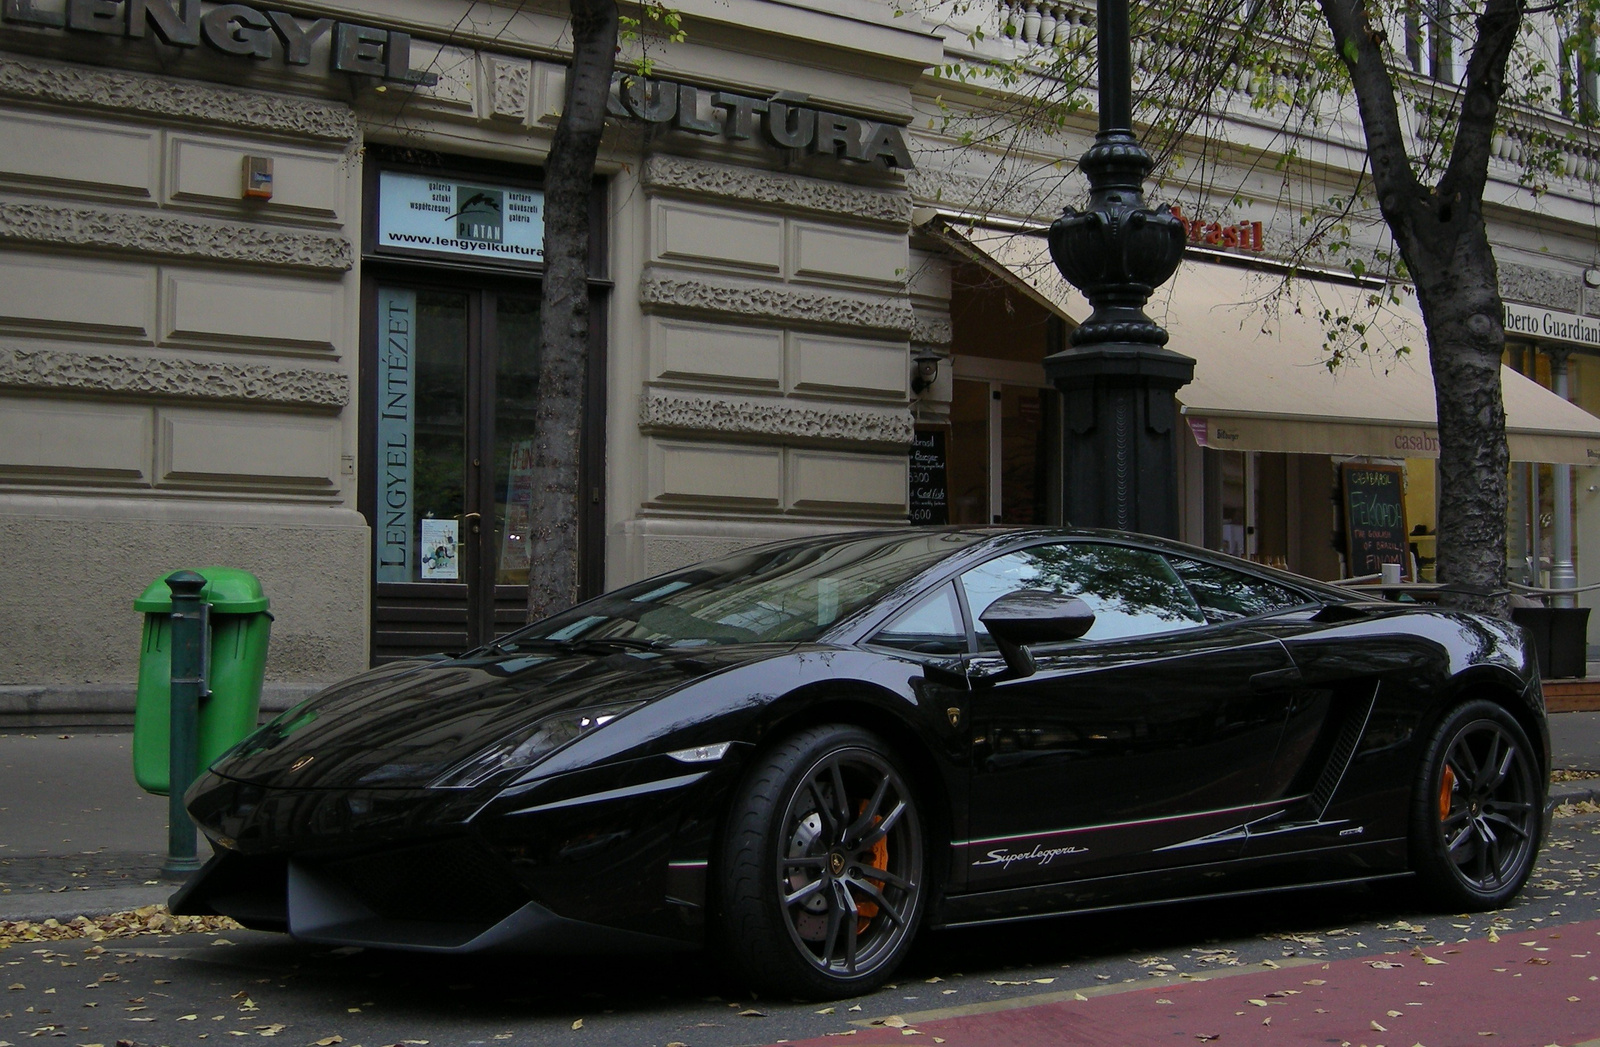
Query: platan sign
(784, 120)
(1552, 326)
(232, 29)
(440, 216)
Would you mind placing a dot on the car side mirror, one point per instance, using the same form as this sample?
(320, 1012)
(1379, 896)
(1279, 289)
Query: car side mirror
(1031, 616)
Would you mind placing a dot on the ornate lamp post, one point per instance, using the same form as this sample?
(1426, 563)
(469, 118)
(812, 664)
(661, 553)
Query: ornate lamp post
(1118, 379)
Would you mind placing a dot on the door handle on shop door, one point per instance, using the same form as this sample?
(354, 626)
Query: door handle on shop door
(472, 520)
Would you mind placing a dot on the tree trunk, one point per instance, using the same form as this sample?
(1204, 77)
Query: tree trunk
(553, 572)
(1442, 237)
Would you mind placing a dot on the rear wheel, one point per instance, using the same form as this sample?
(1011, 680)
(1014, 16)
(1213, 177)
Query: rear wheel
(823, 877)
(1477, 808)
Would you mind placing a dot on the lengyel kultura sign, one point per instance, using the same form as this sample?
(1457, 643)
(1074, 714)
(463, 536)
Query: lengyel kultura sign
(231, 29)
(783, 120)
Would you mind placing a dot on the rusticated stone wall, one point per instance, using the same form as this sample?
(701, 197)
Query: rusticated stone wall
(176, 365)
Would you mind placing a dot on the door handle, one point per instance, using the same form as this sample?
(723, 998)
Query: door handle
(472, 520)
(1274, 679)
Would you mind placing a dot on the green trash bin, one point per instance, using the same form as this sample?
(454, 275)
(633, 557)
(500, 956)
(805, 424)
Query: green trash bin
(240, 625)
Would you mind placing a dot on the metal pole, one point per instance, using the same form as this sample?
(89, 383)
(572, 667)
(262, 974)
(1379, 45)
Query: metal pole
(188, 638)
(1119, 443)
(1563, 575)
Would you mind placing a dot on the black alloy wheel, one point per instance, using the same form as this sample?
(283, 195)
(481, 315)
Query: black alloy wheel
(1478, 808)
(823, 866)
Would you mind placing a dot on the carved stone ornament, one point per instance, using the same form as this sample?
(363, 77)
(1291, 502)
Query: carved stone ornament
(511, 87)
(774, 418)
(161, 96)
(932, 330)
(774, 302)
(791, 192)
(1536, 286)
(132, 374)
(171, 236)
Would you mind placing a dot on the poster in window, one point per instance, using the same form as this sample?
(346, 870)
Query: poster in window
(516, 544)
(440, 550)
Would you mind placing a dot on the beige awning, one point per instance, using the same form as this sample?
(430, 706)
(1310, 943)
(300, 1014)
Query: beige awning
(1259, 345)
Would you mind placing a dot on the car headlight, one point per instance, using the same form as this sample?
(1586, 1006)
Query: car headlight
(528, 746)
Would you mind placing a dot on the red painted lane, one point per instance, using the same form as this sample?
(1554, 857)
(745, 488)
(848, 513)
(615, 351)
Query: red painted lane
(1535, 988)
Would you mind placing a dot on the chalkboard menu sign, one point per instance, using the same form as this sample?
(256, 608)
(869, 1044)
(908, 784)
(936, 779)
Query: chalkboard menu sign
(928, 502)
(1375, 518)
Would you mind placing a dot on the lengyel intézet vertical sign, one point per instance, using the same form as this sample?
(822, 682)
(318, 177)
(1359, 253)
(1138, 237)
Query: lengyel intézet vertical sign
(396, 449)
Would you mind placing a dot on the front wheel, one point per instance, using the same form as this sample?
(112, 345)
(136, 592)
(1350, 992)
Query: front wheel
(823, 877)
(1477, 808)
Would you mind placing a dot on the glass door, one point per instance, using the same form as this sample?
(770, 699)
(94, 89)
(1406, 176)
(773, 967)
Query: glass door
(1004, 453)
(455, 375)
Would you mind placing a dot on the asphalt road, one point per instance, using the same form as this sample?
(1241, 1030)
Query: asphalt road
(995, 987)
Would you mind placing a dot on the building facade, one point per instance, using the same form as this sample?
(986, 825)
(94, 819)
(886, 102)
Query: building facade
(269, 298)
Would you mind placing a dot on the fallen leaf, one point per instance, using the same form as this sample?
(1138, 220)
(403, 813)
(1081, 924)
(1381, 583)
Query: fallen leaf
(1164, 1001)
(894, 1021)
(189, 1018)
(1080, 996)
(578, 1024)
(1395, 1014)
(825, 1010)
(1315, 981)
(1493, 937)
(1383, 965)
(752, 1013)
(1269, 963)
(1376, 1027)
(326, 1041)
(1259, 1003)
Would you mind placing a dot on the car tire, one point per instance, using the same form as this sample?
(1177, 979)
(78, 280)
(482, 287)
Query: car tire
(1477, 808)
(823, 876)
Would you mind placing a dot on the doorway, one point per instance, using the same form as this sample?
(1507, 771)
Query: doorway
(452, 431)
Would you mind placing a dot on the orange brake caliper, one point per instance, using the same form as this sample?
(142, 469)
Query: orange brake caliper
(1447, 786)
(880, 860)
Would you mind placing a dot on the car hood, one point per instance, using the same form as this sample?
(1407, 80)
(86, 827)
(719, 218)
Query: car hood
(404, 724)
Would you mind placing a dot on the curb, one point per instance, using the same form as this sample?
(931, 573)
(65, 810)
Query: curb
(1576, 792)
(65, 906)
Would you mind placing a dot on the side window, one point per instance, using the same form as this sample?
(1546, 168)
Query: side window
(932, 625)
(1131, 591)
(1226, 595)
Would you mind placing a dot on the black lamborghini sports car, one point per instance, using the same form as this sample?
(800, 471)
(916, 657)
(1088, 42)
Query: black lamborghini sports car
(803, 753)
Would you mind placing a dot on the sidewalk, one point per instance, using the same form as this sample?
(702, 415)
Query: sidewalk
(78, 837)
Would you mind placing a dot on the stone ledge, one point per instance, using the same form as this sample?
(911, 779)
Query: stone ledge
(166, 235)
(775, 418)
(776, 303)
(118, 91)
(664, 171)
(136, 374)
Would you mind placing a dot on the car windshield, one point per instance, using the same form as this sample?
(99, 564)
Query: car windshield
(787, 593)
